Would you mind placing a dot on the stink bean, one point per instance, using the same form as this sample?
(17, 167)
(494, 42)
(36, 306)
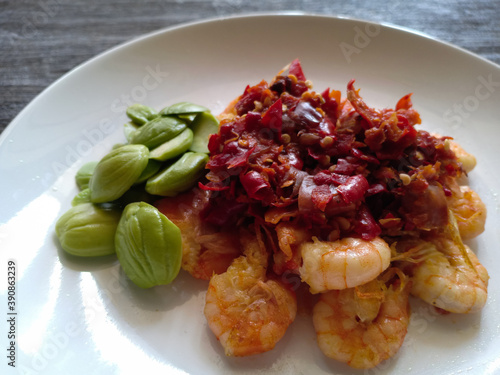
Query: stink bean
(148, 245)
(87, 230)
(179, 176)
(174, 147)
(158, 131)
(117, 172)
(141, 114)
(183, 108)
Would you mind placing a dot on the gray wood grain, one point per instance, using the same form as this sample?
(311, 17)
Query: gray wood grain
(42, 40)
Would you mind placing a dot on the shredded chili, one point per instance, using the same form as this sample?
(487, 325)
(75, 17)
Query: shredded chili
(286, 151)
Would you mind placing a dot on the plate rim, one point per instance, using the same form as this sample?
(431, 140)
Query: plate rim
(246, 15)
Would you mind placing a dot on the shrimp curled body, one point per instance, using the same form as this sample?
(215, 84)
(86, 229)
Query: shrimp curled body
(469, 211)
(467, 160)
(246, 311)
(344, 263)
(363, 326)
(449, 275)
(205, 249)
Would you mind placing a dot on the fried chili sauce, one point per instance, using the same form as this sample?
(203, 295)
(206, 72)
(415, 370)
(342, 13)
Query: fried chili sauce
(333, 165)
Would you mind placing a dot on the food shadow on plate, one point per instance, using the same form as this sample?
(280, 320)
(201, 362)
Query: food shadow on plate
(293, 354)
(429, 331)
(326, 365)
(432, 327)
(437, 328)
(332, 366)
(261, 363)
(83, 264)
(162, 297)
(119, 290)
(473, 244)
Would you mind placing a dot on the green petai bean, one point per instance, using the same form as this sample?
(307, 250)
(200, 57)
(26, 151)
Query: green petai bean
(117, 172)
(129, 129)
(173, 148)
(87, 230)
(151, 169)
(141, 114)
(183, 108)
(204, 125)
(148, 245)
(158, 131)
(82, 197)
(179, 176)
(84, 173)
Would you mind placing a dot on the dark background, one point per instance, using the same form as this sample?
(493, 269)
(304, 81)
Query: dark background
(41, 40)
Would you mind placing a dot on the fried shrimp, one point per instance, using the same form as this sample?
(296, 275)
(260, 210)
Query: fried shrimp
(247, 312)
(205, 249)
(365, 325)
(290, 236)
(342, 264)
(467, 160)
(469, 211)
(446, 273)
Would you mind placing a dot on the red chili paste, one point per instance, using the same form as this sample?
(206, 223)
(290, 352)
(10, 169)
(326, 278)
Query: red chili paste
(291, 153)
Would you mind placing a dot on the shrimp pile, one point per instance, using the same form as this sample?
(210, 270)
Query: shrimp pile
(366, 210)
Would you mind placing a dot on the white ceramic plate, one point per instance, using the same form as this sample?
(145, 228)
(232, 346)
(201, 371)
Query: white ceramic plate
(83, 316)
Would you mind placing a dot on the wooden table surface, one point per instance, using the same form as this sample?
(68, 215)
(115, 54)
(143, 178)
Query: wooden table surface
(42, 40)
